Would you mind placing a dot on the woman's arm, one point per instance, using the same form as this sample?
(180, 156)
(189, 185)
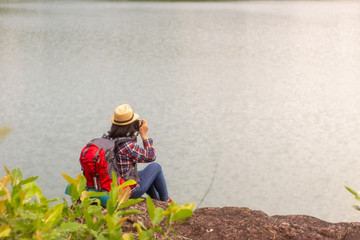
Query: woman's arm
(143, 130)
(137, 153)
(146, 154)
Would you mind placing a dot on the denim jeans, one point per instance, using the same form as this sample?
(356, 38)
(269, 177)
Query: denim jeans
(152, 182)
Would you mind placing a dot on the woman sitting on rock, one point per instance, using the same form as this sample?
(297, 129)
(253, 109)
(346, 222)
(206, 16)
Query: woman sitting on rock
(126, 124)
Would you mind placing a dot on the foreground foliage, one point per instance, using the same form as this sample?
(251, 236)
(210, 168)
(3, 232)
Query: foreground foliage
(26, 214)
(357, 196)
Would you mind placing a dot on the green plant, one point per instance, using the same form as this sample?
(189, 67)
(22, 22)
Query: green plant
(92, 221)
(24, 211)
(174, 214)
(357, 196)
(26, 214)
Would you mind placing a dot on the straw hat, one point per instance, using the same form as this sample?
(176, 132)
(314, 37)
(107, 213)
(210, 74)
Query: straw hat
(123, 115)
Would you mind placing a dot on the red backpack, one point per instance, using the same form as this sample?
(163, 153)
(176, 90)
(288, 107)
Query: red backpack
(98, 161)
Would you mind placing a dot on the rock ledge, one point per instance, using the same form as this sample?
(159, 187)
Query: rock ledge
(213, 223)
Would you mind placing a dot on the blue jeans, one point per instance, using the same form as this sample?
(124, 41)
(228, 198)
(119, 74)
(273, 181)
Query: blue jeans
(152, 182)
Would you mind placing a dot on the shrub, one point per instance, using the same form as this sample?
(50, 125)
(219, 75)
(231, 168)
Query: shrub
(26, 214)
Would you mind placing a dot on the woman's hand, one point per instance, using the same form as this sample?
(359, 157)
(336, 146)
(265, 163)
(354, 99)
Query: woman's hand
(143, 130)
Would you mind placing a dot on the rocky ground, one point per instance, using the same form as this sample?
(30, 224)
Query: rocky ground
(244, 223)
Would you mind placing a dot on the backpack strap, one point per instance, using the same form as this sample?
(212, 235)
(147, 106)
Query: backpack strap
(84, 152)
(83, 155)
(96, 178)
(97, 156)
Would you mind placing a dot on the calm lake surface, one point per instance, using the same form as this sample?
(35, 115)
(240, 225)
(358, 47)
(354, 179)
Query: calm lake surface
(250, 104)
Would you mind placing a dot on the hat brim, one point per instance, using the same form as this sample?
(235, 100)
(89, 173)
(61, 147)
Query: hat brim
(136, 116)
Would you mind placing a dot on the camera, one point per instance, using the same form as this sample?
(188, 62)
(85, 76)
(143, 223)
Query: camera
(138, 124)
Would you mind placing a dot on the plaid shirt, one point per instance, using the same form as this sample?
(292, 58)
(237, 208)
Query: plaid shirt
(129, 153)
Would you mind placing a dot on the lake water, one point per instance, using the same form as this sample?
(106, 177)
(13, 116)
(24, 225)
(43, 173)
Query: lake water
(250, 104)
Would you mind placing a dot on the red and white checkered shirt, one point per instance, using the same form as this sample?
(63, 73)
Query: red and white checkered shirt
(129, 153)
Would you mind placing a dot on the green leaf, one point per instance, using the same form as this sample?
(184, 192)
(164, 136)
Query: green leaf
(151, 208)
(128, 183)
(188, 206)
(17, 197)
(110, 206)
(169, 219)
(355, 193)
(113, 197)
(98, 236)
(115, 235)
(352, 191)
(82, 184)
(96, 211)
(128, 236)
(130, 202)
(158, 216)
(78, 211)
(88, 219)
(17, 175)
(148, 234)
(53, 216)
(172, 208)
(53, 200)
(97, 194)
(69, 227)
(356, 207)
(5, 231)
(114, 180)
(142, 225)
(139, 230)
(9, 209)
(99, 224)
(182, 214)
(73, 193)
(31, 190)
(28, 180)
(110, 222)
(35, 207)
(95, 202)
(69, 179)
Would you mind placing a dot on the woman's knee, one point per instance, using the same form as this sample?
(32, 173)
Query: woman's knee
(151, 171)
(155, 166)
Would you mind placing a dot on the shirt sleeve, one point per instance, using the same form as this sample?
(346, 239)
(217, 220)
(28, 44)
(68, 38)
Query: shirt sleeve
(146, 154)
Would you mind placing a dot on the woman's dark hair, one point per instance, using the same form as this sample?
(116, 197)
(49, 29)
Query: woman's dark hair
(122, 130)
